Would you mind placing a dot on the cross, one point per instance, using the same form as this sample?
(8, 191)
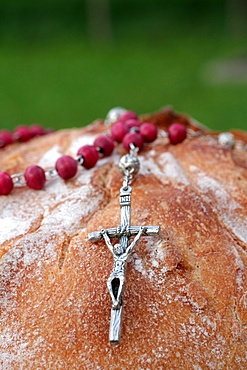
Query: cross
(121, 252)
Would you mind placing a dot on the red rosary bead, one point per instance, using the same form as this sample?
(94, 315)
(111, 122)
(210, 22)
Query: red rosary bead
(22, 134)
(35, 177)
(177, 133)
(149, 132)
(90, 156)
(128, 114)
(118, 131)
(133, 138)
(6, 138)
(6, 183)
(105, 144)
(36, 130)
(131, 123)
(66, 167)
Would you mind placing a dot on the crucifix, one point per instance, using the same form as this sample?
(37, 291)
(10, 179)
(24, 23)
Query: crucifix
(121, 251)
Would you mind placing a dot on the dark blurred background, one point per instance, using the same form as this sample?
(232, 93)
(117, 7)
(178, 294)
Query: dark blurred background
(65, 63)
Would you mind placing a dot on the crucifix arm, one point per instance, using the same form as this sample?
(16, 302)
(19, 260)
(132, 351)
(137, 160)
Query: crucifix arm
(137, 237)
(107, 240)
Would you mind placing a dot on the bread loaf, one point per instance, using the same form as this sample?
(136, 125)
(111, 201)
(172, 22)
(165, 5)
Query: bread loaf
(185, 302)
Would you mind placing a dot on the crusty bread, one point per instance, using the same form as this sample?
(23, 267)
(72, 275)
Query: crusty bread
(185, 303)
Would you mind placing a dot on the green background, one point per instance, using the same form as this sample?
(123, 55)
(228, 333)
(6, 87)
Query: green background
(66, 63)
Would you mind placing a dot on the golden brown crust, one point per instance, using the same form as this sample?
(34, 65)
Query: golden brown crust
(185, 299)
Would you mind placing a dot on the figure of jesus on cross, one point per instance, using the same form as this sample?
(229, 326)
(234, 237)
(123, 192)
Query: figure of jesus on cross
(121, 252)
(128, 165)
(116, 281)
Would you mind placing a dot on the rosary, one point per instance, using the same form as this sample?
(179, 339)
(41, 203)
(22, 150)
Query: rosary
(127, 129)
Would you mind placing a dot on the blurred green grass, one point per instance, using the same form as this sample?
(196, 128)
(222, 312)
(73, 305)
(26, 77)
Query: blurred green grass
(66, 81)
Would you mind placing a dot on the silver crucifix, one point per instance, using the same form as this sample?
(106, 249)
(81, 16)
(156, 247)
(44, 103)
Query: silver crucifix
(129, 165)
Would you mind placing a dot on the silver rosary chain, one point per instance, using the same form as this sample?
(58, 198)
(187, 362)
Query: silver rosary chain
(19, 179)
